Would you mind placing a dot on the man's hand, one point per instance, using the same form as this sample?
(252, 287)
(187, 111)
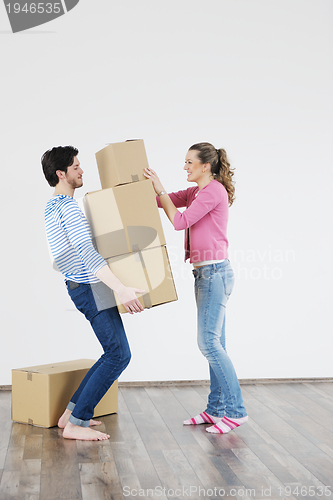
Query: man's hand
(127, 296)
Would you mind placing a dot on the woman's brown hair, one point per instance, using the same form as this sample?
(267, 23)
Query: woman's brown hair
(220, 166)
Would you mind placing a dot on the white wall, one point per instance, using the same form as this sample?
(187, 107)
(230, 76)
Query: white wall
(252, 76)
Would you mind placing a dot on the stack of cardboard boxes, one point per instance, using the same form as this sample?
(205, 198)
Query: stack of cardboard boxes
(126, 224)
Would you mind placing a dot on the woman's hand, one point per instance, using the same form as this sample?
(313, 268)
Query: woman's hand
(165, 200)
(150, 174)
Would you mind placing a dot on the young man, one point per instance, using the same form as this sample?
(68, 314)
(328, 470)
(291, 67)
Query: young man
(90, 284)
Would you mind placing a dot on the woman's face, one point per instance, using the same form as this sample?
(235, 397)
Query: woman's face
(193, 166)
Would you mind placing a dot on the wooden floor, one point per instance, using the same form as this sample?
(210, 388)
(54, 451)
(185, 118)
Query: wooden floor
(285, 451)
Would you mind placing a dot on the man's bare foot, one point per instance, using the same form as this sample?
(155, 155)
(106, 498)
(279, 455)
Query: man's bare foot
(72, 431)
(63, 420)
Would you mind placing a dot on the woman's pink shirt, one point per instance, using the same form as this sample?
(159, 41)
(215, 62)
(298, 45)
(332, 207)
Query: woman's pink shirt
(205, 221)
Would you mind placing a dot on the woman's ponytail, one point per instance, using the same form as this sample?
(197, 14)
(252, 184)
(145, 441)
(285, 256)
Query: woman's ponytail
(224, 174)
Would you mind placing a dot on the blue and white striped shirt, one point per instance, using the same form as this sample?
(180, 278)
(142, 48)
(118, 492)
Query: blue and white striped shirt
(69, 237)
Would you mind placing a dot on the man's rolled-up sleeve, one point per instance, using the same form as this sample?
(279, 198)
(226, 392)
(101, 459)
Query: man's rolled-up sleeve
(77, 231)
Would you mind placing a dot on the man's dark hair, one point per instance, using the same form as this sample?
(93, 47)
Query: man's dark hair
(59, 158)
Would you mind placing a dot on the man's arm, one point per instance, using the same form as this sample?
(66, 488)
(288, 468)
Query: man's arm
(80, 238)
(126, 294)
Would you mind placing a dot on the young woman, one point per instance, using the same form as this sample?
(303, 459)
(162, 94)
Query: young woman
(205, 223)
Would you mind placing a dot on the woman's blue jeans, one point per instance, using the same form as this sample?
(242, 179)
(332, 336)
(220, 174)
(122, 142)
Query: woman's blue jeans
(108, 327)
(213, 286)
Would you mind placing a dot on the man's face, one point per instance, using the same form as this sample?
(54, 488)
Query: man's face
(74, 174)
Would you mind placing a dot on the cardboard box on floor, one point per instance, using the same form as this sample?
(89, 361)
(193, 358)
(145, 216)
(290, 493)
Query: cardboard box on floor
(40, 394)
(148, 270)
(121, 163)
(124, 219)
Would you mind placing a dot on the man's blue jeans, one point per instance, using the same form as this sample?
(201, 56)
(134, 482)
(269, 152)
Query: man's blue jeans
(108, 327)
(213, 286)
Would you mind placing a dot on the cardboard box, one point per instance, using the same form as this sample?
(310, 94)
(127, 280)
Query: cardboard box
(149, 270)
(40, 394)
(124, 219)
(121, 163)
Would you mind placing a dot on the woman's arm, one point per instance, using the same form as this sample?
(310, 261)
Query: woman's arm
(178, 198)
(165, 200)
(206, 201)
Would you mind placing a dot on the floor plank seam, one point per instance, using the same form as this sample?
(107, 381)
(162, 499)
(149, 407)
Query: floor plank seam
(179, 447)
(281, 446)
(295, 406)
(287, 451)
(179, 383)
(142, 438)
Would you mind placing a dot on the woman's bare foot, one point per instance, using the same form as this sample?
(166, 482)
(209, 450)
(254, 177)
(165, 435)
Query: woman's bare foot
(63, 420)
(72, 431)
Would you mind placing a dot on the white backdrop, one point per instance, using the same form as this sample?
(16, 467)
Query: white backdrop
(252, 76)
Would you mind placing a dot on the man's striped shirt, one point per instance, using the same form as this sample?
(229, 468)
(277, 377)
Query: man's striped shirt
(70, 241)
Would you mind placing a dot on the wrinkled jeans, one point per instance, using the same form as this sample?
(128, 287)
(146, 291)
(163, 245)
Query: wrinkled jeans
(108, 327)
(213, 286)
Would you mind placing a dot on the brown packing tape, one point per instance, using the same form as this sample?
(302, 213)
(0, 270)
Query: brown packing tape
(29, 376)
(30, 421)
(135, 178)
(120, 242)
(114, 243)
(138, 256)
(147, 300)
(141, 236)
